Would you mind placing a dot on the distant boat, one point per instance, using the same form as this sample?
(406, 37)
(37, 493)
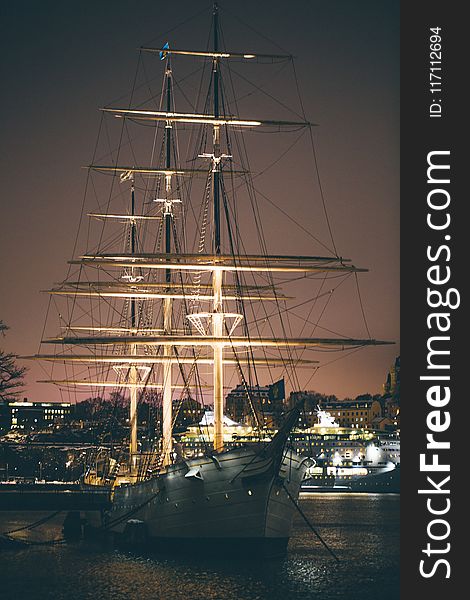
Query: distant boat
(349, 459)
(342, 458)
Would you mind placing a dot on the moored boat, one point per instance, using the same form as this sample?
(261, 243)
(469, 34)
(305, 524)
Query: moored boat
(150, 312)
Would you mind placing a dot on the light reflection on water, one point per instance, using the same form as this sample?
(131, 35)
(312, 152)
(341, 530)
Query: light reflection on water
(362, 529)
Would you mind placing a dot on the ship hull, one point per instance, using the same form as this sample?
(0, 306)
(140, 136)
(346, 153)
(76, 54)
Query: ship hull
(379, 481)
(237, 500)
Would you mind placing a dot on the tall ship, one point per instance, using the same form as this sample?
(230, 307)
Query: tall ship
(171, 299)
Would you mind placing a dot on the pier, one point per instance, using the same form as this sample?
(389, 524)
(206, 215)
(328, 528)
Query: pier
(19, 496)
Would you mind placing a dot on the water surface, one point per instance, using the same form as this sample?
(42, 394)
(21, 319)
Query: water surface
(362, 529)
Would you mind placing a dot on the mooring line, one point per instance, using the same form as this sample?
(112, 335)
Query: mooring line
(312, 528)
(32, 525)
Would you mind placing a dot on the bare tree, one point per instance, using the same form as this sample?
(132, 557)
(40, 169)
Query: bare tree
(11, 375)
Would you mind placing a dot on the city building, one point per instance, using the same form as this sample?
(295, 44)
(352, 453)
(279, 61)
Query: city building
(391, 397)
(267, 401)
(33, 415)
(358, 413)
(391, 386)
(188, 412)
(312, 400)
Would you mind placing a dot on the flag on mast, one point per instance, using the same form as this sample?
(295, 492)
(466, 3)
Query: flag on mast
(277, 390)
(162, 52)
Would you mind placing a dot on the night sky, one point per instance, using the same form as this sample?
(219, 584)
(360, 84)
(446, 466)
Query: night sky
(61, 61)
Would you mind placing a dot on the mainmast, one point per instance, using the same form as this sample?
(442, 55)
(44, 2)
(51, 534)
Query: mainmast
(216, 138)
(217, 275)
(133, 372)
(167, 410)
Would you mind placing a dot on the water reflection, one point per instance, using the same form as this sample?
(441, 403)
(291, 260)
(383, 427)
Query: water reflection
(363, 530)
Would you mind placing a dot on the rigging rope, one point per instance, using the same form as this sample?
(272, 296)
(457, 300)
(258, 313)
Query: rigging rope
(309, 525)
(314, 152)
(362, 306)
(30, 526)
(7, 535)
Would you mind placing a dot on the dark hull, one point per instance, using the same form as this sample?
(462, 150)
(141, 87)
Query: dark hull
(267, 547)
(239, 500)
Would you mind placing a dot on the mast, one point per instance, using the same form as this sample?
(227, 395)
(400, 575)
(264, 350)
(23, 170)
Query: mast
(217, 275)
(167, 416)
(133, 373)
(216, 138)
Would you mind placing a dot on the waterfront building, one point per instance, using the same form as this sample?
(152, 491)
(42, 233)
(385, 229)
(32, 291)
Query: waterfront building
(391, 386)
(360, 413)
(391, 397)
(33, 415)
(312, 400)
(267, 401)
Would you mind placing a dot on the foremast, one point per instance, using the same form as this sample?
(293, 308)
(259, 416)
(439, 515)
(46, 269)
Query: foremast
(217, 275)
(133, 370)
(167, 377)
